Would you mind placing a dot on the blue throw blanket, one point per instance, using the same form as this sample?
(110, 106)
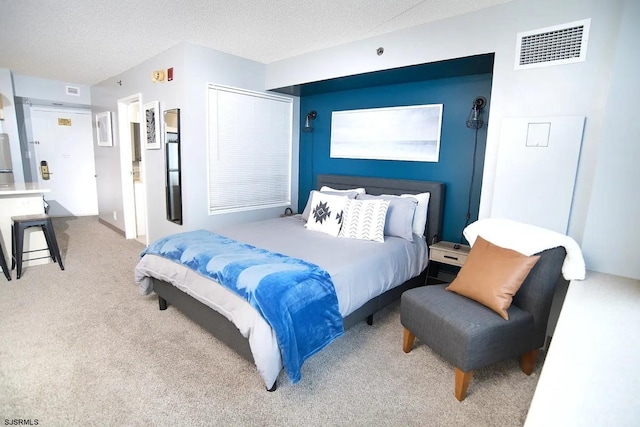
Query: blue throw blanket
(295, 297)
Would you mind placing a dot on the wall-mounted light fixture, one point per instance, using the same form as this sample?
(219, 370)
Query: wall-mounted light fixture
(475, 115)
(474, 121)
(308, 121)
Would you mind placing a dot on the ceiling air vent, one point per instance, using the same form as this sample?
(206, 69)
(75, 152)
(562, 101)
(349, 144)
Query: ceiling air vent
(73, 90)
(560, 44)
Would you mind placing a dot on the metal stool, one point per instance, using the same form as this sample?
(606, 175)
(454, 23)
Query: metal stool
(3, 263)
(20, 224)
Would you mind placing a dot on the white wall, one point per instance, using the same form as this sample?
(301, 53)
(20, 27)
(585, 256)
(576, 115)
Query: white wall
(16, 115)
(44, 91)
(611, 233)
(205, 66)
(579, 89)
(37, 91)
(104, 97)
(194, 68)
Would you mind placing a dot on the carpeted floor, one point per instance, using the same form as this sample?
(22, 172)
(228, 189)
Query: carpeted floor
(82, 347)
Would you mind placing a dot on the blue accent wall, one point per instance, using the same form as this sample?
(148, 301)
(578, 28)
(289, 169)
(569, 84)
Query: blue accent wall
(456, 142)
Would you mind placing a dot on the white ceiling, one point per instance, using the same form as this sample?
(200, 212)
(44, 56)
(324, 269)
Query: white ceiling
(88, 41)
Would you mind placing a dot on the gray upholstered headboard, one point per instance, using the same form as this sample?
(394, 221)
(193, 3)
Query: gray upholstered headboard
(377, 186)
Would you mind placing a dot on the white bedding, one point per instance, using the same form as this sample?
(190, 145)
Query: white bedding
(360, 270)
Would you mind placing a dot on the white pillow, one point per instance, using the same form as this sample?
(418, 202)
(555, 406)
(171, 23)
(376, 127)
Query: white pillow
(364, 219)
(357, 190)
(326, 213)
(420, 215)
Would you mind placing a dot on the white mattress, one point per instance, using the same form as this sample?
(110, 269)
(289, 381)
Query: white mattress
(360, 270)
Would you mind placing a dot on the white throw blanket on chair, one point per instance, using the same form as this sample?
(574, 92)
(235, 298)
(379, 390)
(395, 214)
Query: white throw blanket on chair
(528, 240)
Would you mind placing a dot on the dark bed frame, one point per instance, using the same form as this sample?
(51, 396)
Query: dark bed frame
(228, 333)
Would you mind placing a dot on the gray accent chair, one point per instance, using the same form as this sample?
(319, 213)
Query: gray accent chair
(471, 336)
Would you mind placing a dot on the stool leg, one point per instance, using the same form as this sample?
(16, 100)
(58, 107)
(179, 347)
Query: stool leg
(18, 234)
(47, 237)
(13, 247)
(3, 263)
(53, 243)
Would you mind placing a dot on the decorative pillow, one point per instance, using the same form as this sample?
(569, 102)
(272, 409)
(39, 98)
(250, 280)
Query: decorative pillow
(364, 219)
(351, 194)
(420, 215)
(399, 221)
(492, 275)
(326, 213)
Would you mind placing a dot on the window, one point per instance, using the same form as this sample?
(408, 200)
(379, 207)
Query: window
(250, 135)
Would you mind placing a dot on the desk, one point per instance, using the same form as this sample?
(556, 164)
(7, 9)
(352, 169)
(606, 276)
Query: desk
(590, 376)
(22, 199)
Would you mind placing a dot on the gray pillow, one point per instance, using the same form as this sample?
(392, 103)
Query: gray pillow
(399, 221)
(307, 208)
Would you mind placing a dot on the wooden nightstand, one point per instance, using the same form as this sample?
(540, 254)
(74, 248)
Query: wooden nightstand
(445, 253)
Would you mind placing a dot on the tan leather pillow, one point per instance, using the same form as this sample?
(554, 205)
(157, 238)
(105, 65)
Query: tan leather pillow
(492, 275)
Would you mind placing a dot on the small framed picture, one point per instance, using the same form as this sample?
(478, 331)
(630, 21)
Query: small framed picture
(153, 138)
(103, 129)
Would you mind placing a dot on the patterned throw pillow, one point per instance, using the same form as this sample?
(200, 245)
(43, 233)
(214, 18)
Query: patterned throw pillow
(364, 219)
(348, 193)
(326, 213)
(399, 222)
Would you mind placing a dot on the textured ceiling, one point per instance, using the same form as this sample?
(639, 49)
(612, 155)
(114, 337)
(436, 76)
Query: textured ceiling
(88, 41)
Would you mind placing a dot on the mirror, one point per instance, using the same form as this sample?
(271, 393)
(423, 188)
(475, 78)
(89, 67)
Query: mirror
(172, 164)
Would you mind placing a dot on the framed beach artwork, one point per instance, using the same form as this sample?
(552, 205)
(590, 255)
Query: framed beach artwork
(410, 133)
(152, 128)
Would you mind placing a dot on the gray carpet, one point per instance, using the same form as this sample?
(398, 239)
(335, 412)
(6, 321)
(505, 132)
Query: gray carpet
(82, 347)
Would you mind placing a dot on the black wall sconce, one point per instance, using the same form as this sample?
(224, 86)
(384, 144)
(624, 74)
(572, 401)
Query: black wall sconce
(474, 121)
(308, 121)
(475, 115)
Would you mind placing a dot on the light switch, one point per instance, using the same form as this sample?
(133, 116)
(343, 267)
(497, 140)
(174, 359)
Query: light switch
(538, 134)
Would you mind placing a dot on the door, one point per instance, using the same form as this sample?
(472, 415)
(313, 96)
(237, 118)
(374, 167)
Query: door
(136, 164)
(63, 147)
(133, 193)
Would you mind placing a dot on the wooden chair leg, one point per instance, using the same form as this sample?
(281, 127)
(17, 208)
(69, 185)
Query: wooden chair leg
(528, 361)
(462, 383)
(407, 342)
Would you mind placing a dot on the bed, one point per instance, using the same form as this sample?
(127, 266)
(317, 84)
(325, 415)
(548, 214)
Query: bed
(239, 325)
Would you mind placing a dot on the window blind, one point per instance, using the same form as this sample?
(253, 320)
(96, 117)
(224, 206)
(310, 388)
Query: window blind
(250, 135)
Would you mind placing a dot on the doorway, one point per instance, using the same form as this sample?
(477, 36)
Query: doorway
(63, 148)
(132, 167)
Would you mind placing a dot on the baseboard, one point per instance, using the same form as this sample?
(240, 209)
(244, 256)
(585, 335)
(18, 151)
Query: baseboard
(111, 226)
